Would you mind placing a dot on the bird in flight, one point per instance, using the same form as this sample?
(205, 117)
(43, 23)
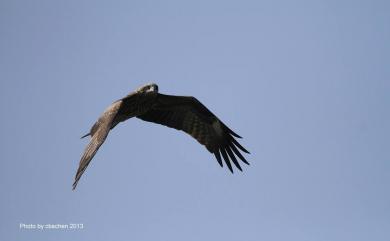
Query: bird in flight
(183, 113)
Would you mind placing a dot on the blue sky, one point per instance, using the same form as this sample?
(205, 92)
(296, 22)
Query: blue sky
(306, 83)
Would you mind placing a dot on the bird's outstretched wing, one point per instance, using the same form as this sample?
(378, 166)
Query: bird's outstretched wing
(98, 134)
(189, 115)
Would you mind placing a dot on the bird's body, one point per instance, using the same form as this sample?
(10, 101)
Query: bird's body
(180, 112)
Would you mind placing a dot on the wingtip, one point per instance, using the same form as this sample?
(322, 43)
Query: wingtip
(233, 158)
(239, 145)
(237, 152)
(85, 135)
(239, 168)
(218, 157)
(230, 130)
(74, 185)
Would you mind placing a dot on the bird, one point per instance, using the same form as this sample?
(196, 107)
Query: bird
(184, 113)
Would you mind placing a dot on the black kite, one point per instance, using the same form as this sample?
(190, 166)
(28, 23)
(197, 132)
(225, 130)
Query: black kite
(183, 113)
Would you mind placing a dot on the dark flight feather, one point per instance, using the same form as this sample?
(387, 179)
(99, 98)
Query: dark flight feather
(191, 116)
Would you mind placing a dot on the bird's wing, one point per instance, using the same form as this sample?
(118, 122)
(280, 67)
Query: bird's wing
(189, 115)
(99, 133)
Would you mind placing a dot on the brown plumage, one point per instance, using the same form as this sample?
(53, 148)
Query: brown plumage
(183, 113)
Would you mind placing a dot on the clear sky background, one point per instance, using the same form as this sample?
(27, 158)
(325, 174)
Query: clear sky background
(306, 83)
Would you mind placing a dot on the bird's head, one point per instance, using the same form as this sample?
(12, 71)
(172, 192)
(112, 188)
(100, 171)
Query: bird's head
(149, 88)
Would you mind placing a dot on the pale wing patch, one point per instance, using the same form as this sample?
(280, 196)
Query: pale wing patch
(218, 128)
